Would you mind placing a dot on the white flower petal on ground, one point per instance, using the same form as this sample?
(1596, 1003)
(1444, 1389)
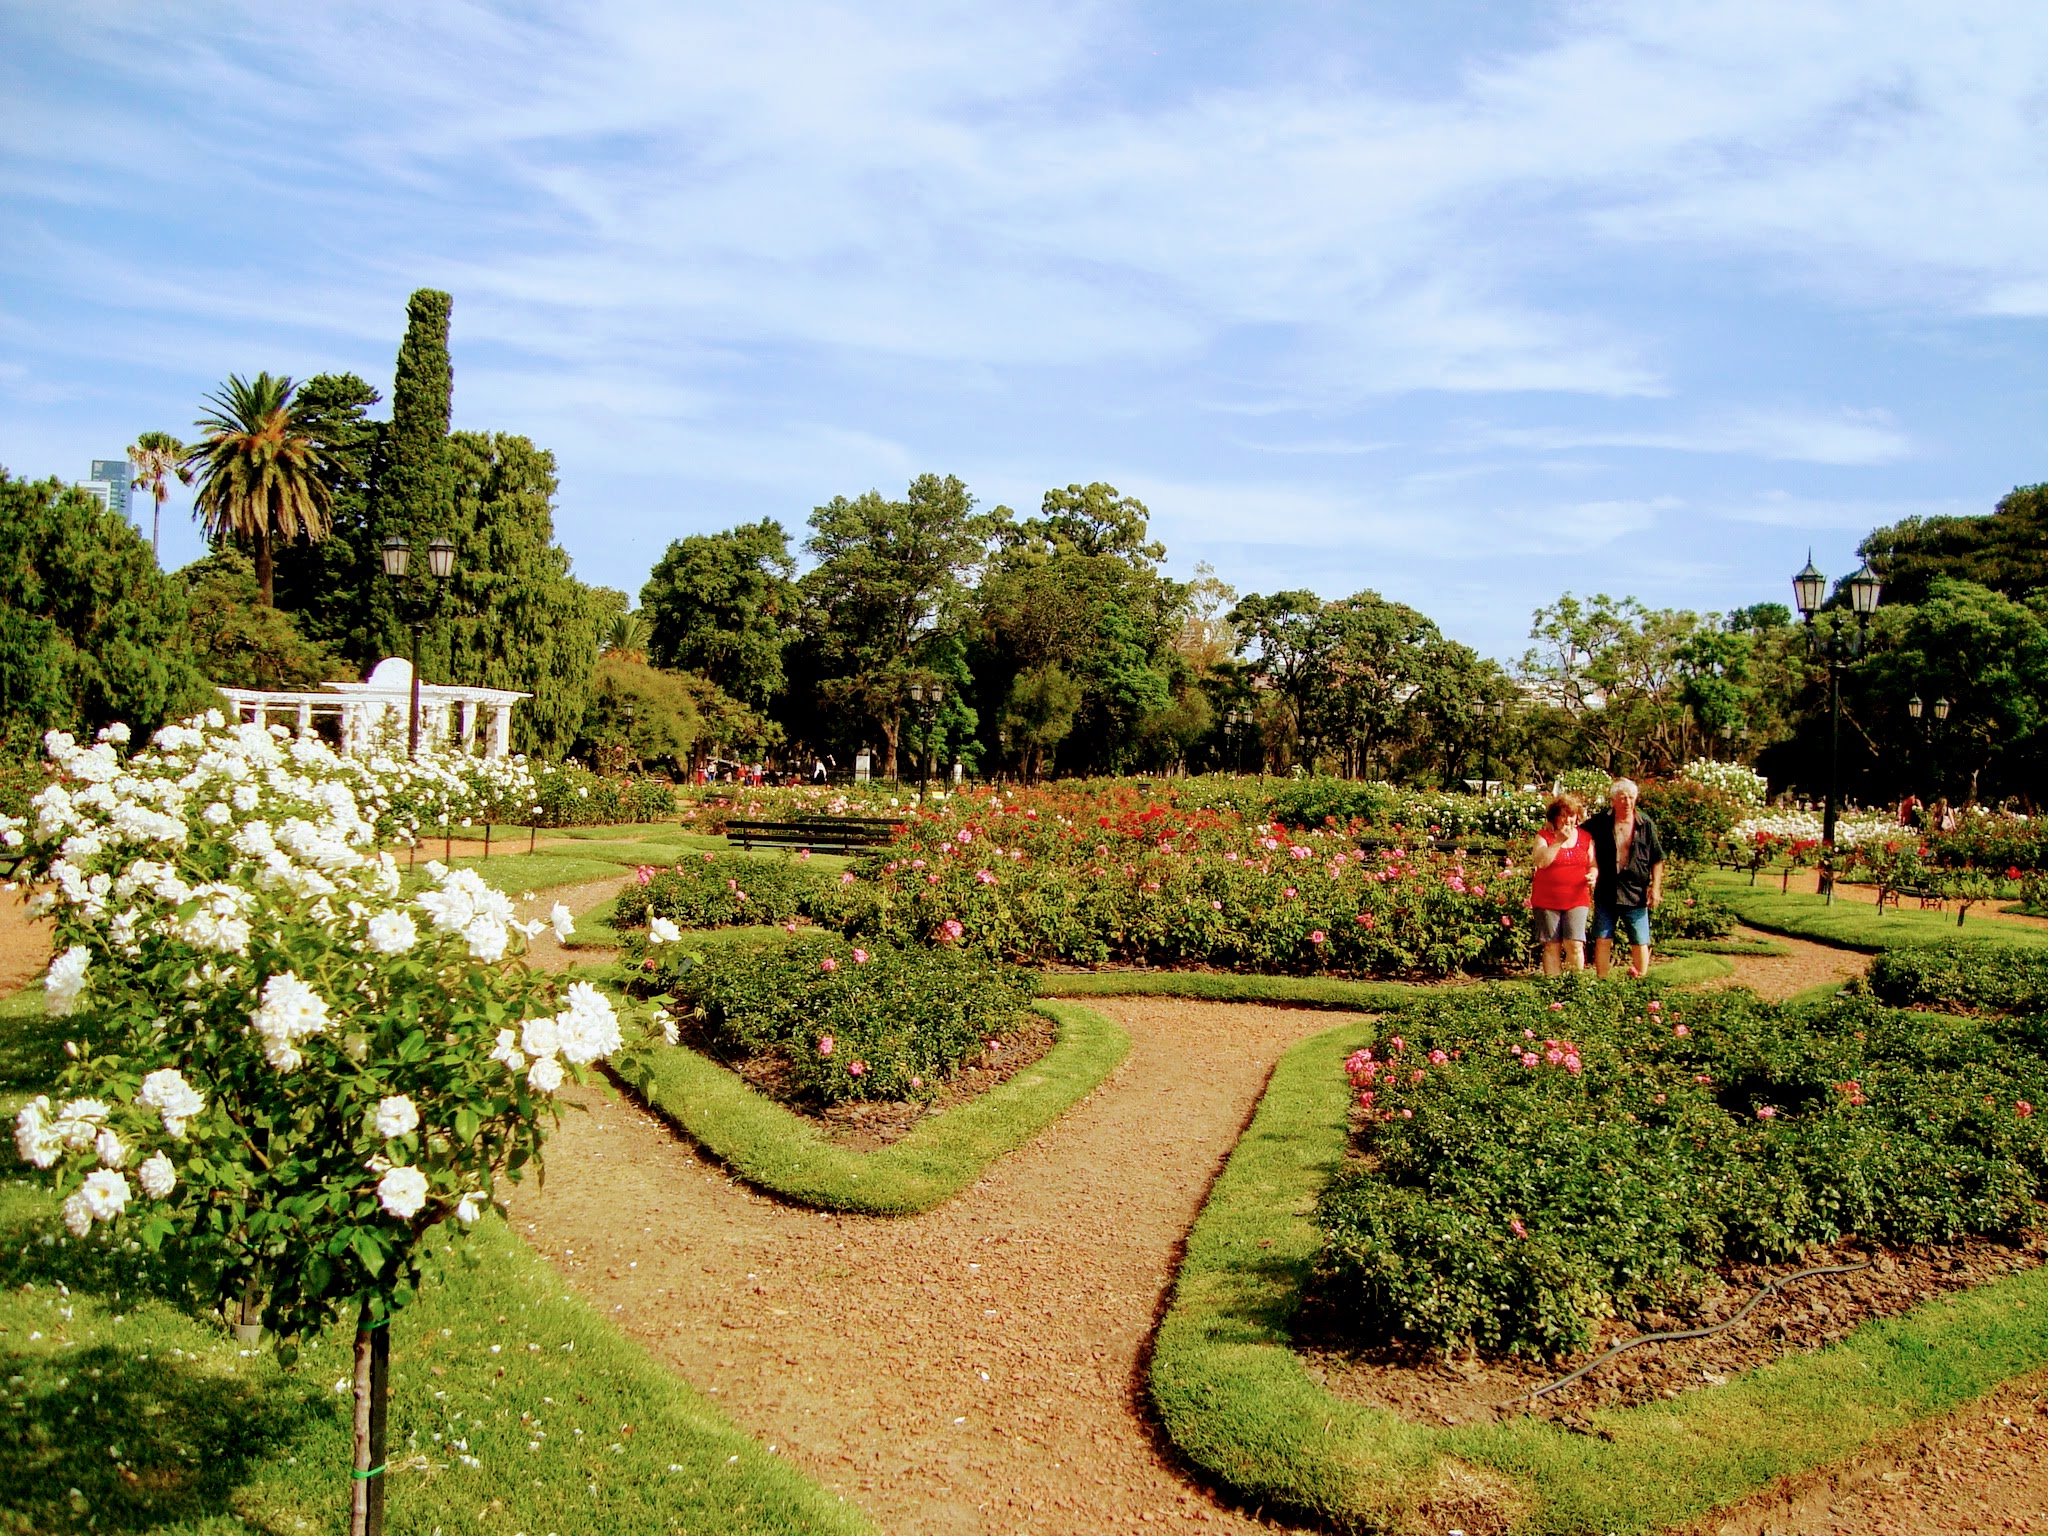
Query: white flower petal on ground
(156, 1176)
(402, 1191)
(396, 1116)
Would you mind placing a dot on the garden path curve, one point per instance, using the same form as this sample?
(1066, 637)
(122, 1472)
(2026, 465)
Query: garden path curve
(975, 1369)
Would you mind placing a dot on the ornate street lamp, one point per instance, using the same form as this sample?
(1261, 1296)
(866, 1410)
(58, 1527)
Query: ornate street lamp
(1809, 588)
(417, 607)
(925, 699)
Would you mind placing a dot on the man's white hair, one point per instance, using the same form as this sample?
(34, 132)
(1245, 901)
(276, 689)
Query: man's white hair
(1625, 787)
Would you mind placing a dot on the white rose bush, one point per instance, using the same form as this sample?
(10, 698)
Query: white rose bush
(278, 1063)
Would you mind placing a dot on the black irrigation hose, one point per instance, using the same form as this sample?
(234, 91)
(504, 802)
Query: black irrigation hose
(1683, 1333)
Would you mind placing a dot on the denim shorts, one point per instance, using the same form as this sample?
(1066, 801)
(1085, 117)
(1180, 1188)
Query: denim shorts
(1634, 922)
(1552, 926)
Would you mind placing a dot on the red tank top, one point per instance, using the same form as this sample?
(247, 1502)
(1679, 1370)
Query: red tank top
(1561, 884)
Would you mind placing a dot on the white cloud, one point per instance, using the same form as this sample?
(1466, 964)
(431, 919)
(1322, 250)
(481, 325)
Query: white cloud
(1844, 438)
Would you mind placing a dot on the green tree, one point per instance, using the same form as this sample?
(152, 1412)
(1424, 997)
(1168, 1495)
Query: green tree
(238, 642)
(1613, 668)
(1040, 712)
(723, 604)
(2006, 551)
(260, 470)
(1290, 650)
(891, 576)
(637, 714)
(333, 588)
(91, 631)
(513, 616)
(153, 458)
(415, 491)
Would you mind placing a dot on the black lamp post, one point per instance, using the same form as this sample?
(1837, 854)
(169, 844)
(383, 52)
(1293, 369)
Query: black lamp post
(1929, 727)
(1233, 742)
(1835, 647)
(1483, 711)
(925, 699)
(417, 608)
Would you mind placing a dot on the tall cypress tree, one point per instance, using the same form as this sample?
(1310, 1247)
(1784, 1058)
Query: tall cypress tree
(416, 487)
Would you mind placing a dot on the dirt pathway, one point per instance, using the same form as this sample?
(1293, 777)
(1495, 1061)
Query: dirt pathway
(1780, 976)
(976, 1369)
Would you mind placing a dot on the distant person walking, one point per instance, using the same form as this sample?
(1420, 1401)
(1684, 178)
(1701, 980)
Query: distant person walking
(1561, 890)
(1629, 859)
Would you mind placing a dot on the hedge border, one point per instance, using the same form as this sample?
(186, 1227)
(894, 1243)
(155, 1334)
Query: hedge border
(1238, 1403)
(780, 1152)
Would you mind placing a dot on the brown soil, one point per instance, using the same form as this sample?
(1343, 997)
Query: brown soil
(24, 941)
(977, 1368)
(1806, 1315)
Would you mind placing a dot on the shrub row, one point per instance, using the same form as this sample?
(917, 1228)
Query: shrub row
(852, 1023)
(716, 890)
(1532, 1162)
(1978, 977)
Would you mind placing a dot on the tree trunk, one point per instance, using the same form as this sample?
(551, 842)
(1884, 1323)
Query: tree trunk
(373, 1390)
(263, 567)
(891, 730)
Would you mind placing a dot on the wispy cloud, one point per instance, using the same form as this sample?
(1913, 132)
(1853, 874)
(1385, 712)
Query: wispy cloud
(1845, 437)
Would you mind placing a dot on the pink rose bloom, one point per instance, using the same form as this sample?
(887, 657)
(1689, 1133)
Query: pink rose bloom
(856, 1067)
(1681, 1031)
(1407, 1114)
(1571, 1064)
(1660, 1098)
(984, 877)
(1215, 906)
(847, 878)
(1416, 1076)
(951, 929)
(2023, 1109)
(1317, 937)
(1765, 1112)
(1365, 920)
(917, 863)
(917, 1082)
(1554, 1056)
(860, 957)
(1437, 1058)
(644, 873)
(828, 964)
(825, 1045)
(966, 837)
(1478, 890)
(707, 858)
(1506, 921)
(1529, 1058)
(1365, 1098)
(1655, 1007)
(1288, 893)
(1515, 1226)
(1397, 1043)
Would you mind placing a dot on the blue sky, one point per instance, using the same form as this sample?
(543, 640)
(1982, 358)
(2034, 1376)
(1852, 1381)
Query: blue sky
(1466, 302)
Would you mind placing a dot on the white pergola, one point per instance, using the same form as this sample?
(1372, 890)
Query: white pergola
(450, 716)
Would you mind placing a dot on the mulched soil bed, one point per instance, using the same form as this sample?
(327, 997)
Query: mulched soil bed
(871, 1125)
(1806, 1315)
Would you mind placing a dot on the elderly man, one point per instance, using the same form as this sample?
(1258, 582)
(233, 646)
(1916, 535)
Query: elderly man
(1628, 858)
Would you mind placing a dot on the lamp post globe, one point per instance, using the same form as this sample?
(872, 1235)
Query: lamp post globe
(396, 554)
(1809, 589)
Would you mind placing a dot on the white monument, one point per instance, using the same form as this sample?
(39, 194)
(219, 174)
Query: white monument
(450, 716)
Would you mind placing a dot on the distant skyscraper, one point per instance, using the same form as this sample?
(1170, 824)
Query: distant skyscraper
(115, 475)
(99, 491)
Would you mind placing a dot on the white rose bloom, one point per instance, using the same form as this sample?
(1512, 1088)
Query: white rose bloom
(669, 1032)
(396, 1116)
(661, 931)
(402, 1191)
(563, 922)
(102, 1197)
(392, 933)
(35, 1137)
(66, 979)
(507, 1051)
(156, 1176)
(166, 1091)
(246, 797)
(108, 1145)
(588, 1027)
(469, 1207)
(291, 1011)
(540, 1037)
(487, 937)
(78, 1123)
(77, 1214)
(545, 1075)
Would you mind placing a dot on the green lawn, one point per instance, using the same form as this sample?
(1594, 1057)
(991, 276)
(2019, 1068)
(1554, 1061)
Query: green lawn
(1235, 1398)
(1855, 924)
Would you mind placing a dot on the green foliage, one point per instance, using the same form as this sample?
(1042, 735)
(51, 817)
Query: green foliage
(1534, 1168)
(333, 588)
(90, 630)
(238, 642)
(570, 795)
(637, 714)
(852, 1023)
(416, 482)
(715, 890)
(2002, 551)
(1691, 910)
(261, 470)
(724, 605)
(1692, 818)
(1855, 924)
(517, 618)
(1990, 978)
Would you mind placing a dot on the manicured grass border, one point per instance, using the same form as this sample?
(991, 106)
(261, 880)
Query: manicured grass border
(1238, 1402)
(1853, 925)
(1314, 991)
(776, 1150)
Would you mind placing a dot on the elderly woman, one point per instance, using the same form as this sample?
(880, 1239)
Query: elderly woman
(1562, 888)
(1629, 858)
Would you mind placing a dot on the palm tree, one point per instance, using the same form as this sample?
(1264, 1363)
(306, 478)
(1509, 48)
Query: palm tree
(262, 473)
(153, 456)
(625, 637)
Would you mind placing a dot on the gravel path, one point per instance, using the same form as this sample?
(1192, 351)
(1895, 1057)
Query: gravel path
(975, 1369)
(1780, 976)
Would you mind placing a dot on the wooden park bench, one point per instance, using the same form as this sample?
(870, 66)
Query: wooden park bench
(817, 834)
